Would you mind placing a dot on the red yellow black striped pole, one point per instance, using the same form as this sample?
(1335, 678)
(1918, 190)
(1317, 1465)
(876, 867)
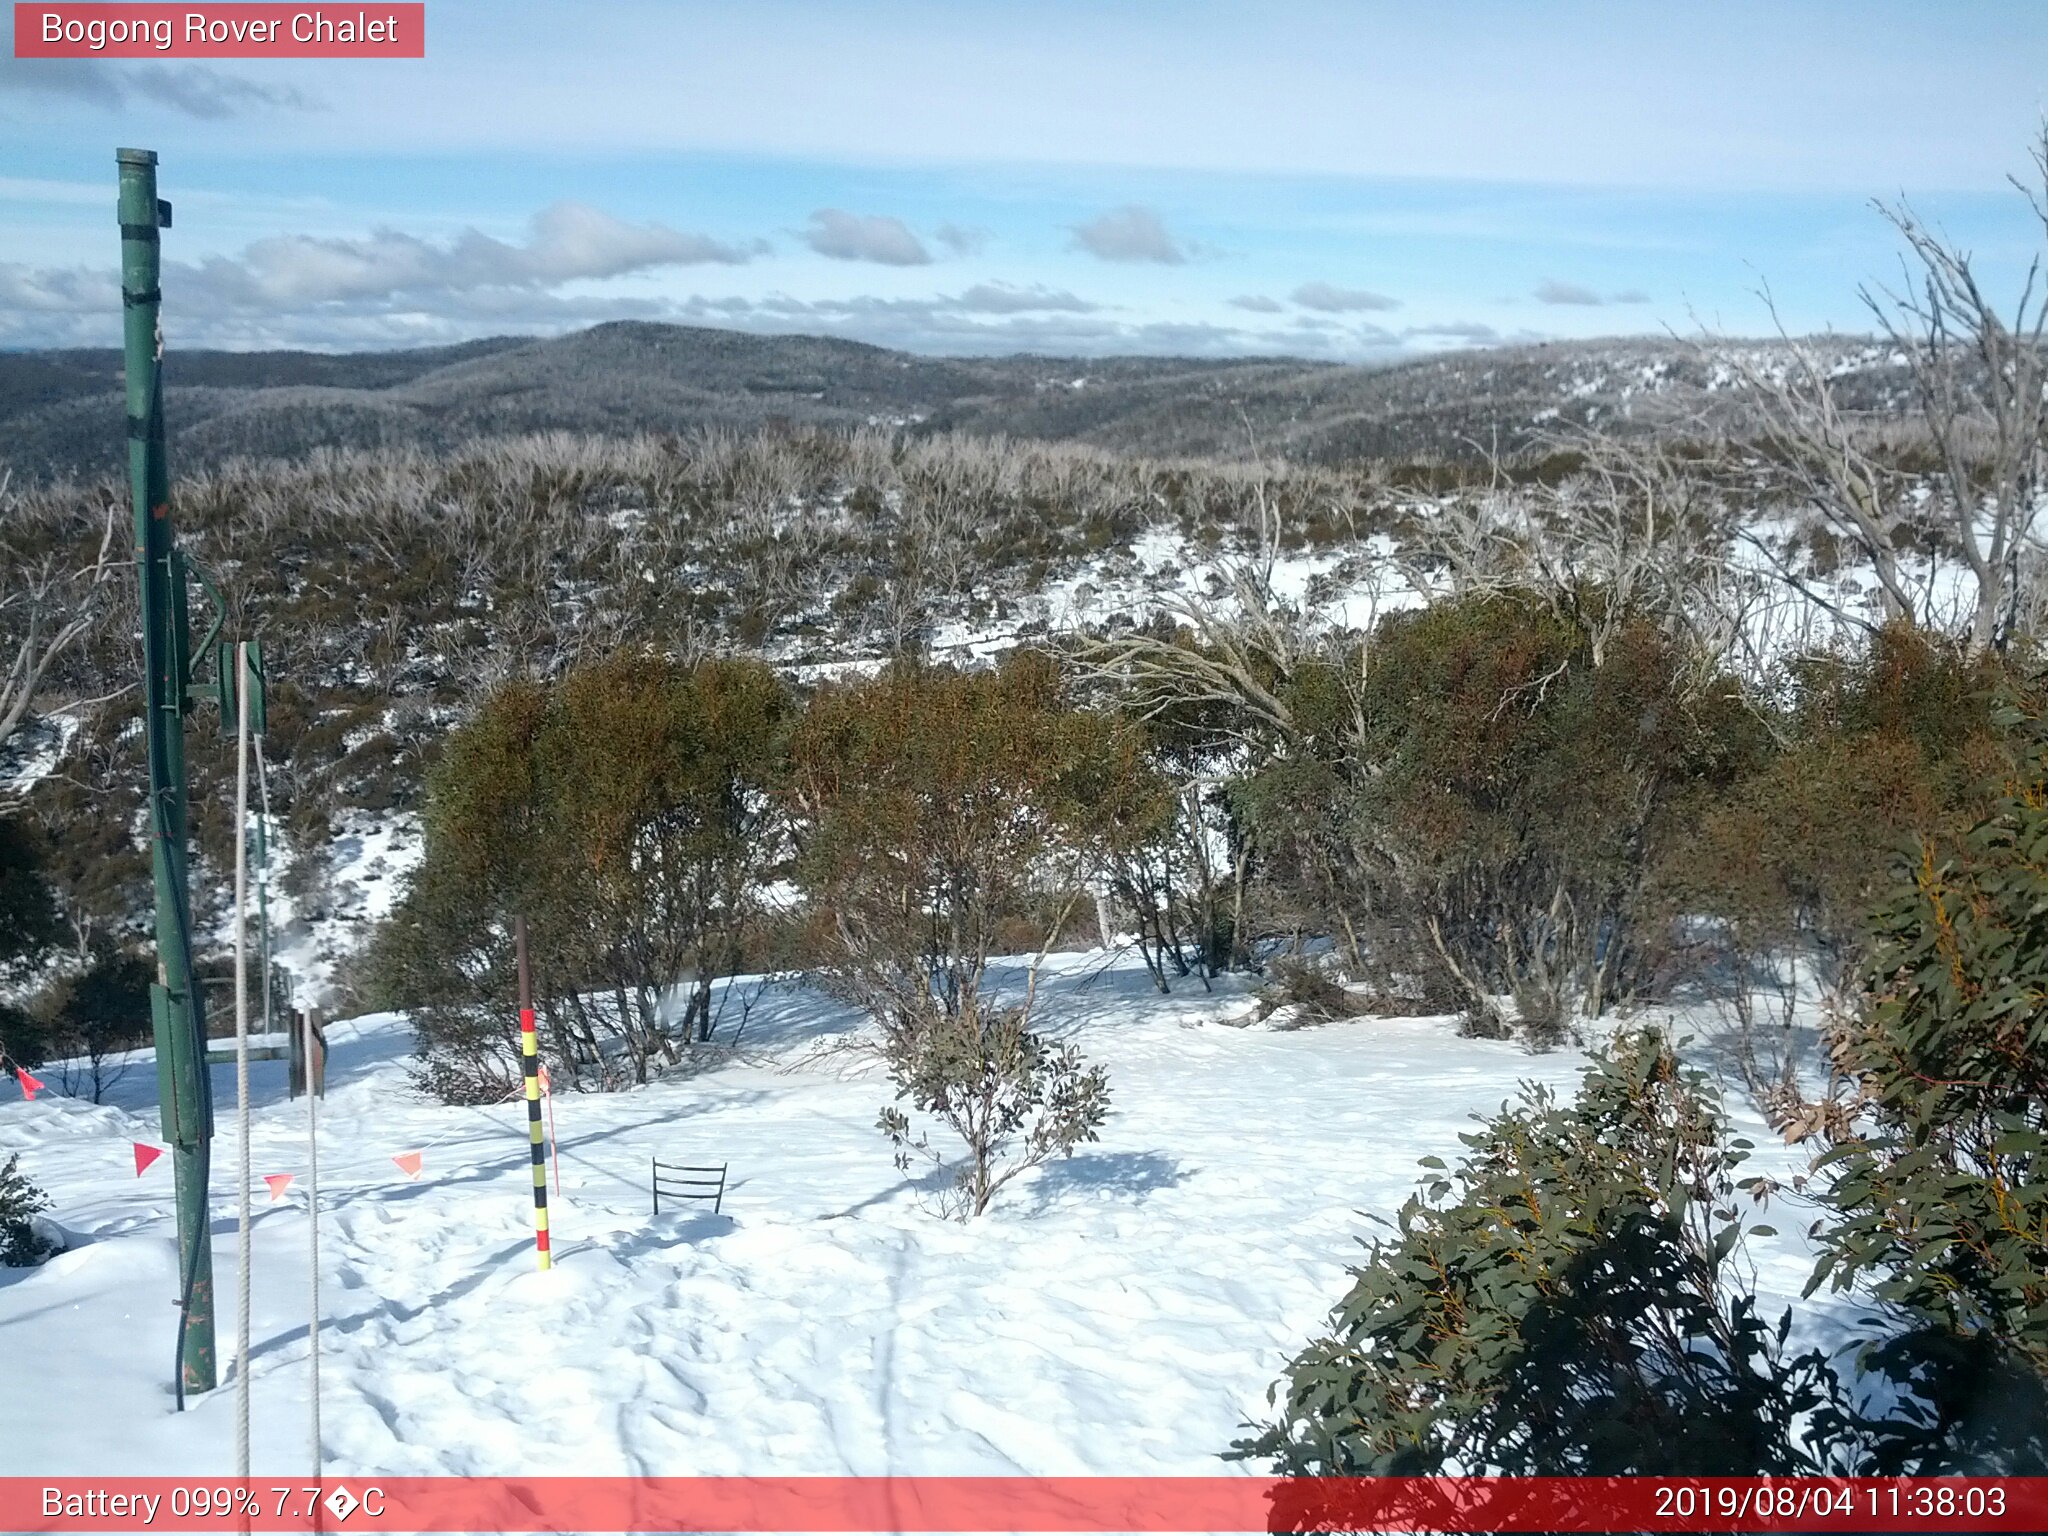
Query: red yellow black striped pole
(529, 1052)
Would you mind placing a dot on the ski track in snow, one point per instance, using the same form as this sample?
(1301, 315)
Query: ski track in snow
(1122, 1312)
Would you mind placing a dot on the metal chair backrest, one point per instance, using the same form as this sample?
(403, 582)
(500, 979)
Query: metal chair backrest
(685, 1182)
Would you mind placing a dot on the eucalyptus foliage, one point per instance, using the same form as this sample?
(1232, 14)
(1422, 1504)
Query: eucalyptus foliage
(1941, 1182)
(1564, 1301)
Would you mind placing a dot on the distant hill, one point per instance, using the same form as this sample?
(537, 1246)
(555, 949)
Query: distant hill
(61, 412)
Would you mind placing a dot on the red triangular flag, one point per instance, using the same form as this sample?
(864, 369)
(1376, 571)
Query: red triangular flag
(279, 1183)
(145, 1154)
(30, 1086)
(409, 1161)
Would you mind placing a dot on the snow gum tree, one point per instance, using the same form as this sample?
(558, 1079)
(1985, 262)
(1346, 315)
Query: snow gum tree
(945, 817)
(1964, 496)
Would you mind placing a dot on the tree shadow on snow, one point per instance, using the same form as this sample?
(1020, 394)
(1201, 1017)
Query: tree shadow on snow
(671, 1229)
(1121, 1175)
(1719, 1050)
(391, 1310)
(472, 1169)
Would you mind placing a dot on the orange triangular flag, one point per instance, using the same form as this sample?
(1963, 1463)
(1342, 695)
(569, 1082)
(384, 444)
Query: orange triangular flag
(544, 1085)
(409, 1161)
(30, 1086)
(279, 1183)
(145, 1154)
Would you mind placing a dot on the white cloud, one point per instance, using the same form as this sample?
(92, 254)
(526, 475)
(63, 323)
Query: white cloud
(1006, 299)
(1334, 300)
(58, 291)
(1257, 303)
(873, 237)
(1474, 333)
(377, 289)
(1555, 291)
(962, 240)
(1130, 233)
(192, 90)
(568, 241)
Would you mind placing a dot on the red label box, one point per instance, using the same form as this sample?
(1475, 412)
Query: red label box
(237, 31)
(161, 1506)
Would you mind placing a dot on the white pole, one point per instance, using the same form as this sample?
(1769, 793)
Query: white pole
(263, 826)
(263, 874)
(307, 1025)
(242, 1046)
(313, 1217)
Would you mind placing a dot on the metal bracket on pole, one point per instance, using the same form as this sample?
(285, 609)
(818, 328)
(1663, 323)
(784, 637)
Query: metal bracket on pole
(224, 684)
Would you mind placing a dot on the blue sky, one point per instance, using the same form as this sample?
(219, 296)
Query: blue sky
(1354, 180)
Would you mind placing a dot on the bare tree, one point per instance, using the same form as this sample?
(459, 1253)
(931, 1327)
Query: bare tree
(47, 606)
(1978, 380)
(1976, 377)
(1635, 532)
(1237, 646)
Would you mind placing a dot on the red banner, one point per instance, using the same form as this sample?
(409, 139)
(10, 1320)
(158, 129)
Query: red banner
(1020, 1504)
(240, 31)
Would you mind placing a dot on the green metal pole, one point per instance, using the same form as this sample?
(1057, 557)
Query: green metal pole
(177, 1011)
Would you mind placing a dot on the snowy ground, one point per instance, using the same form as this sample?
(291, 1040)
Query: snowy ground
(1123, 1312)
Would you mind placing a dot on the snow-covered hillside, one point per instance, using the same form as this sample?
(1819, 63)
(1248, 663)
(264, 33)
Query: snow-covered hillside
(1122, 1312)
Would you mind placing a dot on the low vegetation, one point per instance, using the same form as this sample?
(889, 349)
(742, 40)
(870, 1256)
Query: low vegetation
(1564, 1302)
(21, 1245)
(941, 819)
(626, 811)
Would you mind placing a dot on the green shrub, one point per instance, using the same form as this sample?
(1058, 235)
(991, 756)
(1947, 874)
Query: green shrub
(1013, 1098)
(1941, 1181)
(99, 1016)
(629, 811)
(1877, 747)
(1560, 1303)
(20, 1201)
(1475, 795)
(935, 811)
